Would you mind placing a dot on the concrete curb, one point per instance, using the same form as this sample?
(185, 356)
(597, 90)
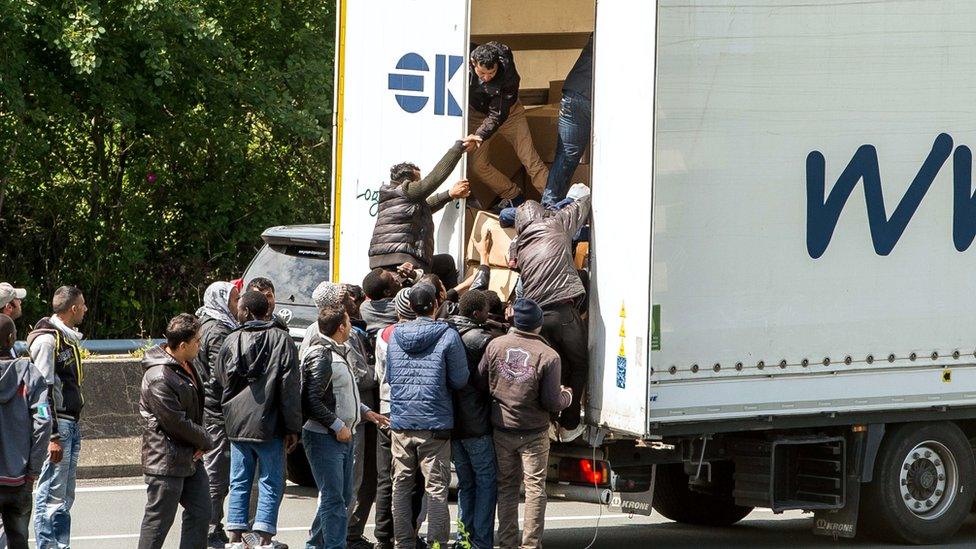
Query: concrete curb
(109, 471)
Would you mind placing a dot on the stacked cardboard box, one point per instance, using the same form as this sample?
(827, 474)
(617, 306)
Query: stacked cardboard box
(502, 279)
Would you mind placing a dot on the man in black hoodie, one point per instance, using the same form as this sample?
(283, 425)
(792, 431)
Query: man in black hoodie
(471, 442)
(174, 438)
(258, 377)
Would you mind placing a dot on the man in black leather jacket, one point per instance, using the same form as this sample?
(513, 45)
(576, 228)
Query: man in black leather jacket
(174, 439)
(331, 402)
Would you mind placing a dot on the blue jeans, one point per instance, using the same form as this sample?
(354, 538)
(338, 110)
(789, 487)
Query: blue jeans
(56, 491)
(332, 466)
(474, 464)
(246, 458)
(574, 136)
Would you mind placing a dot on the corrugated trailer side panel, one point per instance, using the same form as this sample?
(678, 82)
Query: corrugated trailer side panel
(812, 208)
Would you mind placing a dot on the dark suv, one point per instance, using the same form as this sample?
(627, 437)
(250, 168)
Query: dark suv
(296, 258)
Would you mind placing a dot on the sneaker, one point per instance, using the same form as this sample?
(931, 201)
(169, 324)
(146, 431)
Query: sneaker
(217, 540)
(237, 545)
(359, 543)
(505, 203)
(253, 541)
(569, 435)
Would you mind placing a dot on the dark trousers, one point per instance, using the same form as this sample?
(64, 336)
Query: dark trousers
(566, 333)
(15, 512)
(165, 494)
(384, 490)
(364, 481)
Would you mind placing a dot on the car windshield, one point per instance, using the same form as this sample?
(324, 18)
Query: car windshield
(295, 272)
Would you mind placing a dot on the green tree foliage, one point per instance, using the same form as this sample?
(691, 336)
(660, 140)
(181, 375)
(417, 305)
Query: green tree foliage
(144, 145)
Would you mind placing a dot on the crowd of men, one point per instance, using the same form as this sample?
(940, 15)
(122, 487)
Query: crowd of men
(397, 379)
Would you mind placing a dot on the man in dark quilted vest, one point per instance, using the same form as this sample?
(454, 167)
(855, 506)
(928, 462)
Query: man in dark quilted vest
(404, 231)
(55, 349)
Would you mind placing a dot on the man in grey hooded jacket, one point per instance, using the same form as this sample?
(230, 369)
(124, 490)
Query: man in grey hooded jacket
(25, 422)
(544, 258)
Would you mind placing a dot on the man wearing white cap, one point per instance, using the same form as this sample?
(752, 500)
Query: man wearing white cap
(10, 299)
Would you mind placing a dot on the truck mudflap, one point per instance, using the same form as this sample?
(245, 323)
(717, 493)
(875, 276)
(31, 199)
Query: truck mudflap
(840, 523)
(635, 503)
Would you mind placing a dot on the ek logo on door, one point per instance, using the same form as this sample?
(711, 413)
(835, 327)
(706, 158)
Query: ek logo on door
(414, 85)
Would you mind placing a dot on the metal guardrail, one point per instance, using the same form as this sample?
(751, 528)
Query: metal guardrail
(102, 346)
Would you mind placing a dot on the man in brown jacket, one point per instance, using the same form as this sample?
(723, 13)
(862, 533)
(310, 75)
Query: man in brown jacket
(522, 373)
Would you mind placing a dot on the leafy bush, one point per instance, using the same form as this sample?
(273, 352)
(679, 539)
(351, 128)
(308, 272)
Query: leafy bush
(145, 144)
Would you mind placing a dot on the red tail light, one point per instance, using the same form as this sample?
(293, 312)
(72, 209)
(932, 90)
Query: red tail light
(584, 471)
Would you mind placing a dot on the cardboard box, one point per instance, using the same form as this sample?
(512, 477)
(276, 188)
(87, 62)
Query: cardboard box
(501, 240)
(502, 281)
(543, 125)
(555, 91)
(581, 175)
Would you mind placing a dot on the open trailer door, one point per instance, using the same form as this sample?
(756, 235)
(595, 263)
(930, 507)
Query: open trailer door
(400, 97)
(621, 315)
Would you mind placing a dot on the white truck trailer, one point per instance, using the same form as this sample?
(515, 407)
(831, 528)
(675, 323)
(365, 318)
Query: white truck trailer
(782, 294)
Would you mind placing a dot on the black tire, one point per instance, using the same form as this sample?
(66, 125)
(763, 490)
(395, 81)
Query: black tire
(925, 456)
(297, 469)
(676, 501)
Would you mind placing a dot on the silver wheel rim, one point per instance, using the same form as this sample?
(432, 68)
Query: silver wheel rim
(928, 480)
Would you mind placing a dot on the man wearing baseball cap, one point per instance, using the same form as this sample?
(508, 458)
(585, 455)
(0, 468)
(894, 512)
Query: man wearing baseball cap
(10, 299)
(425, 363)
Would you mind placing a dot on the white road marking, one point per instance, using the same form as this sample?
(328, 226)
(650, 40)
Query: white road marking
(306, 528)
(124, 488)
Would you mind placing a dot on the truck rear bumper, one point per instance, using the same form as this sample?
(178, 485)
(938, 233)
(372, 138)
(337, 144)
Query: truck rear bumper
(583, 494)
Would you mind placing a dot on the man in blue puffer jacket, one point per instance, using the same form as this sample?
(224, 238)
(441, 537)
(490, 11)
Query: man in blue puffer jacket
(425, 363)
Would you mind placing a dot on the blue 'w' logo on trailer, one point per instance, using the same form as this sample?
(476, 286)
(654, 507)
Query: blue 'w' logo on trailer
(445, 67)
(822, 214)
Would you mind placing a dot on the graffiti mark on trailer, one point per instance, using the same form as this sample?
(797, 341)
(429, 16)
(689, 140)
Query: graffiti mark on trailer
(372, 198)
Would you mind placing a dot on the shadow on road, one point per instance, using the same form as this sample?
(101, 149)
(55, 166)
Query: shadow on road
(748, 534)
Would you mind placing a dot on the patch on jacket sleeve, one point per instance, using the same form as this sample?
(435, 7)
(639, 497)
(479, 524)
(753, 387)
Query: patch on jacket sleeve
(516, 366)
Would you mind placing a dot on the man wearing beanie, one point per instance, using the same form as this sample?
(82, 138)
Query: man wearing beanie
(384, 445)
(425, 361)
(522, 374)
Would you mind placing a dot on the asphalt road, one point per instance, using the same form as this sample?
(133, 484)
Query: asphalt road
(107, 515)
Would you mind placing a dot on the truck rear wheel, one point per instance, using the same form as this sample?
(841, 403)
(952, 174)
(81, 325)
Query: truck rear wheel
(923, 484)
(675, 500)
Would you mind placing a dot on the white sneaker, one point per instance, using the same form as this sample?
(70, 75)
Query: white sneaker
(253, 541)
(275, 544)
(569, 436)
(238, 545)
